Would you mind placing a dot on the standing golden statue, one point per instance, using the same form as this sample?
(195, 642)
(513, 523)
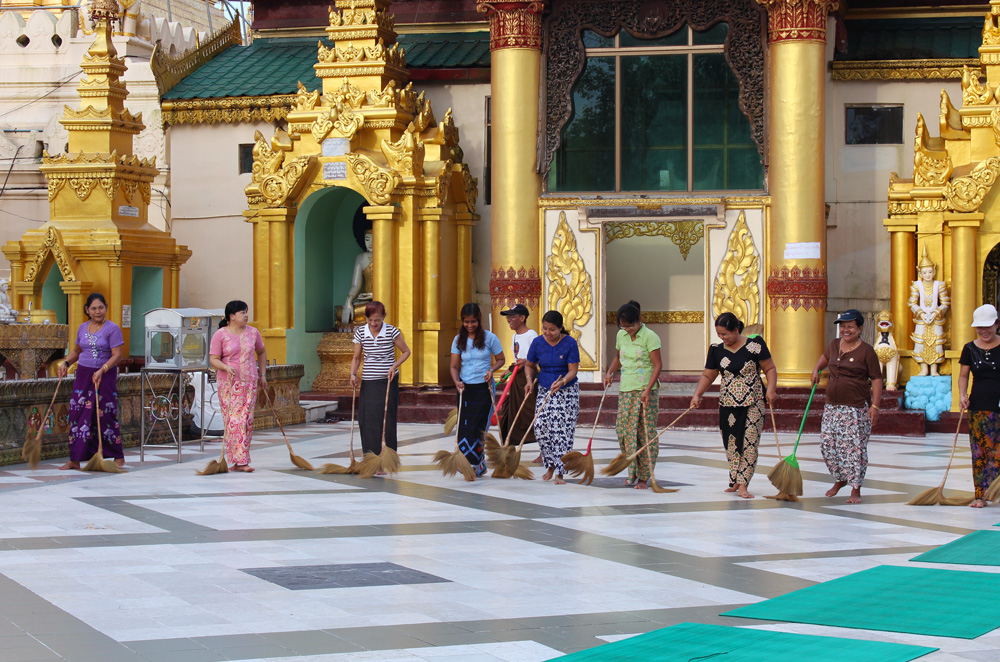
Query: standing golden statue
(929, 302)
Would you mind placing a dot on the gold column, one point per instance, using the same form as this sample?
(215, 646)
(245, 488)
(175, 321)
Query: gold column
(383, 238)
(279, 263)
(515, 60)
(261, 273)
(175, 285)
(796, 77)
(903, 266)
(429, 326)
(964, 290)
(463, 232)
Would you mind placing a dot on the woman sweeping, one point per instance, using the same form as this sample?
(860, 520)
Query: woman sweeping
(377, 342)
(475, 354)
(98, 348)
(237, 352)
(556, 356)
(741, 396)
(981, 357)
(852, 398)
(638, 356)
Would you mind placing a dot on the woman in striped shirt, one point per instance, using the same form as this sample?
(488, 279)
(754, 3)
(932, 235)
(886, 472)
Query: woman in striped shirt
(378, 342)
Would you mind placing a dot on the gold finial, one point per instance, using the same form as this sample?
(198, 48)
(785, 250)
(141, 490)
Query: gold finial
(104, 10)
(925, 261)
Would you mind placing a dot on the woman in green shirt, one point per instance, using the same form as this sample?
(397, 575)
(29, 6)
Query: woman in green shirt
(638, 356)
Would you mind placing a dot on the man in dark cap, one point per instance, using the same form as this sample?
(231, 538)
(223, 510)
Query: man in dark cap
(517, 318)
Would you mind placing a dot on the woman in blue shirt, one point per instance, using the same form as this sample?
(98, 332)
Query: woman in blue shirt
(557, 357)
(475, 354)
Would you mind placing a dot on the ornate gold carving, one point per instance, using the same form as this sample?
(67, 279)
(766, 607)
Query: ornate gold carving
(967, 193)
(471, 185)
(514, 24)
(82, 186)
(346, 120)
(272, 176)
(995, 121)
(306, 100)
(169, 71)
(974, 92)
(347, 94)
(443, 184)
(384, 99)
(684, 234)
(991, 33)
(230, 110)
(931, 163)
(406, 154)
(797, 20)
(378, 182)
(570, 286)
(736, 289)
(512, 286)
(51, 244)
(902, 69)
(664, 316)
(425, 117)
(321, 126)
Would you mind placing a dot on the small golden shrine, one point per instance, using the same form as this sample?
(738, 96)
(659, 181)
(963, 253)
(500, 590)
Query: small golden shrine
(948, 212)
(99, 194)
(367, 131)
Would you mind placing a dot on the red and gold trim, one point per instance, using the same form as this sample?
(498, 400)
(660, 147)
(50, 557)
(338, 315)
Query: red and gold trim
(514, 24)
(797, 20)
(510, 286)
(798, 288)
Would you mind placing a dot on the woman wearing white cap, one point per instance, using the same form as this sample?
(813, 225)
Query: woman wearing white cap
(851, 409)
(981, 357)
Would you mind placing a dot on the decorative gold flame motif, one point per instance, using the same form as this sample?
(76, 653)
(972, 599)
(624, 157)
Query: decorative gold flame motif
(570, 286)
(736, 289)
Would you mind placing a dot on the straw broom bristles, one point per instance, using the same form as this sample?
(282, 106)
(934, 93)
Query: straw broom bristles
(493, 449)
(501, 468)
(451, 422)
(97, 462)
(578, 463)
(784, 476)
(621, 462)
(935, 495)
(299, 462)
(387, 461)
(331, 468)
(993, 491)
(31, 452)
(455, 461)
(216, 466)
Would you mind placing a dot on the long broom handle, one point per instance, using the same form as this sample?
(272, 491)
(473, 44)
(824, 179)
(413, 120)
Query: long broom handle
(506, 442)
(649, 453)
(458, 427)
(97, 410)
(774, 426)
(537, 412)
(802, 425)
(270, 406)
(506, 390)
(660, 434)
(385, 412)
(354, 399)
(954, 445)
(597, 418)
(41, 424)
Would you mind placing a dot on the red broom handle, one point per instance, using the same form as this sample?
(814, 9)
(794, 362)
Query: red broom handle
(503, 396)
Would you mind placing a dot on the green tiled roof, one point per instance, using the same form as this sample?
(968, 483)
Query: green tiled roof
(275, 66)
(913, 39)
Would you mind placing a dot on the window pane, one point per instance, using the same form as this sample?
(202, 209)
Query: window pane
(725, 156)
(679, 38)
(874, 125)
(585, 160)
(714, 35)
(654, 123)
(593, 40)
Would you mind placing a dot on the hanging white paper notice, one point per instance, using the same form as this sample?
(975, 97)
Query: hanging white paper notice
(804, 250)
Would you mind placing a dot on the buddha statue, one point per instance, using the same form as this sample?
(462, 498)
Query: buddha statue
(929, 302)
(360, 294)
(7, 312)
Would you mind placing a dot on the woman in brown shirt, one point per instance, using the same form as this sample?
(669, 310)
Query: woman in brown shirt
(852, 398)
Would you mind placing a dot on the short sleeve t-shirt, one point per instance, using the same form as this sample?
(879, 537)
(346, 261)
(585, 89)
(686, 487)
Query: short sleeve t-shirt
(238, 352)
(634, 355)
(985, 367)
(97, 346)
(475, 362)
(741, 385)
(851, 374)
(553, 361)
(379, 350)
(521, 343)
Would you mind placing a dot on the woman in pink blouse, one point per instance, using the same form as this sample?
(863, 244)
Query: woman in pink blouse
(238, 353)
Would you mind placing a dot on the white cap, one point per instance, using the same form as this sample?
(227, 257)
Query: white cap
(984, 316)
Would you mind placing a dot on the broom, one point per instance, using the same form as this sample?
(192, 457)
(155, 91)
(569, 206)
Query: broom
(621, 462)
(97, 462)
(387, 461)
(500, 469)
(330, 468)
(299, 462)
(578, 463)
(793, 483)
(649, 458)
(935, 495)
(31, 452)
(513, 460)
(490, 444)
(216, 466)
(495, 416)
(786, 475)
(455, 462)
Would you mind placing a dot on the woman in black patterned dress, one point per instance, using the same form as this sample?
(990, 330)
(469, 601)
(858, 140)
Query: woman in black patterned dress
(741, 396)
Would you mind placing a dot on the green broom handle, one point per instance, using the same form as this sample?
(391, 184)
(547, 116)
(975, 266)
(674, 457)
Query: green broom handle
(802, 425)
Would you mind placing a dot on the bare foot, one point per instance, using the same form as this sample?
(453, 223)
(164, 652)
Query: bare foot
(70, 465)
(629, 482)
(120, 462)
(380, 473)
(978, 503)
(730, 489)
(245, 468)
(641, 485)
(537, 460)
(548, 474)
(741, 491)
(832, 492)
(855, 495)
(559, 480)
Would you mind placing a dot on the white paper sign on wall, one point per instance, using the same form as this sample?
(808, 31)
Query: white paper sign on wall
(336, 146)
(804, 250)
(335, 170)
(127, 210)
(126, 317)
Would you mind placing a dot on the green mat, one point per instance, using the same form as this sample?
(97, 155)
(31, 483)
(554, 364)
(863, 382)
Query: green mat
(945, 603)
(977, 548)
(693, 641)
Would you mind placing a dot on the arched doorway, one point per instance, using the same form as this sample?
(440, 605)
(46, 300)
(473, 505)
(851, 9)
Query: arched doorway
(991, 277)
(326, 245)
